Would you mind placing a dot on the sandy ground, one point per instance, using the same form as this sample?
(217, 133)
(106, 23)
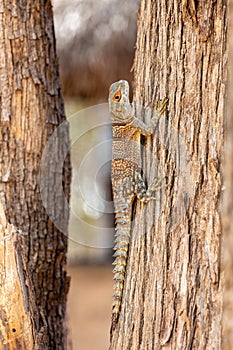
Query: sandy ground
(89, 306)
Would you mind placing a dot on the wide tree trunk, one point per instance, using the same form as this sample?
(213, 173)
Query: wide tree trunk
(34, 165)
(173, 290)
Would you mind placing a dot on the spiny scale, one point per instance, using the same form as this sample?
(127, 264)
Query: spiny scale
(127, 181)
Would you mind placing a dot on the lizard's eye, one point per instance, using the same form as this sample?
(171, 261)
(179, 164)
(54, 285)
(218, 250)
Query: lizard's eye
(117, 96)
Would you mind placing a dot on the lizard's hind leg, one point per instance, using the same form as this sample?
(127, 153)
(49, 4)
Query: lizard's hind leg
(145, 195)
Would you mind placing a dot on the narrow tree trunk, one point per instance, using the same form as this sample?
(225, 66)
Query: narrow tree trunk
(228, 200)
(172, 294)
(31, 108)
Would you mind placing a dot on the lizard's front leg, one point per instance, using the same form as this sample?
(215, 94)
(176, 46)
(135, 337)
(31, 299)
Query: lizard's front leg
(148, 129)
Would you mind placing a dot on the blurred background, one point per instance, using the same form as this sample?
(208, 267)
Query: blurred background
(95, 44)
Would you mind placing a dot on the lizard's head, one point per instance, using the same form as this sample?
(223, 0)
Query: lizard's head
(119, 104)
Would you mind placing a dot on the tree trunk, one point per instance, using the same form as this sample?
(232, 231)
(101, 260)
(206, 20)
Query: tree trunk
(34, 165)
(173, 291)
(228, 200)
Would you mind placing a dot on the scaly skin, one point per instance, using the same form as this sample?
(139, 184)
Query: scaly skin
(127, 182)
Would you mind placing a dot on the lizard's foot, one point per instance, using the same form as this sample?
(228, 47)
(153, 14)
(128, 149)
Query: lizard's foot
(146, 195)
(161, 106)
(156, 185)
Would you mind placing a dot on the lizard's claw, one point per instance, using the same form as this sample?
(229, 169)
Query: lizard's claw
(161, 106)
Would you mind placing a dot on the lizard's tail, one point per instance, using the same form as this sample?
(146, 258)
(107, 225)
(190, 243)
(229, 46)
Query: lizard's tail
(121, 244)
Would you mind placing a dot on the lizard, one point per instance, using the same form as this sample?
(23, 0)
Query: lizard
(126, 177)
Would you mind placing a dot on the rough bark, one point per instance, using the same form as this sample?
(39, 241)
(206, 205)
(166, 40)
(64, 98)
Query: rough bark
(173, 290)
(19, 326)
(31, 108)
(228, 200)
